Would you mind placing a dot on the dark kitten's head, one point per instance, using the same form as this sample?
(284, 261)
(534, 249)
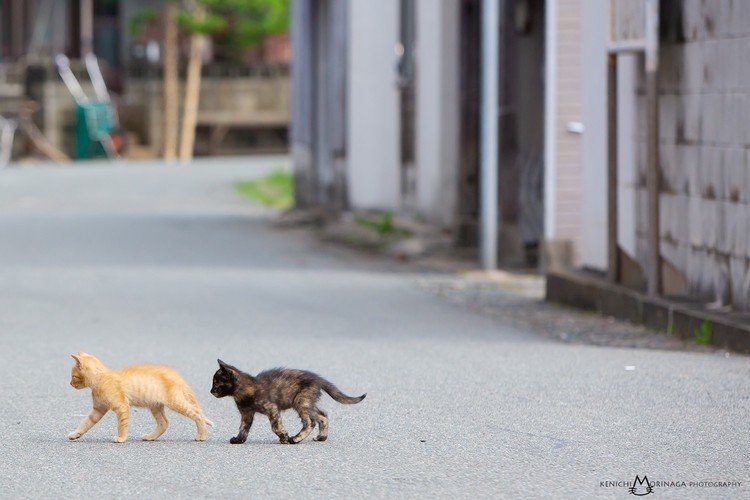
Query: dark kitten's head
(225, 380)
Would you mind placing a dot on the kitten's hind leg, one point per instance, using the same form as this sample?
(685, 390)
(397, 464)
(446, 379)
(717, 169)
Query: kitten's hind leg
(306, 415)
(322, 420)
(87, 423)
(161, 423)
(276, 424)
(196, 415)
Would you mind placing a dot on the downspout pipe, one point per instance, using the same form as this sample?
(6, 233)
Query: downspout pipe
(489, 132)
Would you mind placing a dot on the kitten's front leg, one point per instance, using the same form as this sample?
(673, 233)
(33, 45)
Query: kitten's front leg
(277, 425)
(245, 424)
(123, 417)
(87, 423)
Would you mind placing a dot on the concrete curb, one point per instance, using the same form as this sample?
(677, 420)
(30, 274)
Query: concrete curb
(729, 331)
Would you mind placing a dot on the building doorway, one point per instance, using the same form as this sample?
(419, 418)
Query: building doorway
(521, 129)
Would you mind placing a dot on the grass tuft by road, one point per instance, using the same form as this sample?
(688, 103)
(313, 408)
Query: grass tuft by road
(275, 190)
(382, 224)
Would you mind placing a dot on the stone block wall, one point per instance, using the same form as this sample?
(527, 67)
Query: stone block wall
(704, 148)
(240, 95)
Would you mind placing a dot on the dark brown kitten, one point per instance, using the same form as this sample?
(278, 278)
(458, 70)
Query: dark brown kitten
(273, 391)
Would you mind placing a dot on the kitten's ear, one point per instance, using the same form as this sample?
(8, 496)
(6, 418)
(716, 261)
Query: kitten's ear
(77, 358)
(227, 368)
(225, 365)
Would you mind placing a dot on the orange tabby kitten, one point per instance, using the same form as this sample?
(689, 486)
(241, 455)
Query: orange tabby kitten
(146, 386)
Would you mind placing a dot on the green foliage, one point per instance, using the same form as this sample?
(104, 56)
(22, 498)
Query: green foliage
(238, 23)
(704, 334)
(241, 23)
(143, 16)
(211, 23)
(274, 190)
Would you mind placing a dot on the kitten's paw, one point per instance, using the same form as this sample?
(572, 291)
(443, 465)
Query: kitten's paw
(118, 439)
(294, 440)
(320, 438)
(148, 437)
(236, 440)
(284, 439)
(74, 435)
(200, 438)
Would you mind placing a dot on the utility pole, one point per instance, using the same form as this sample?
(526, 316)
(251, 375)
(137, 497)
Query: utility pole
(192, 89)
(171, 81)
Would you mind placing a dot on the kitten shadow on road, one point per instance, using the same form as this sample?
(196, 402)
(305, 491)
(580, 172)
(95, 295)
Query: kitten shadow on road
(171, 442)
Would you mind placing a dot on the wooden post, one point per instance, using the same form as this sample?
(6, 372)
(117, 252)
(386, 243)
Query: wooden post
(338, 21)
(87, 26)
(652, 147)
(652, 183)
(303, 108)
(613, 254)
(18, 35)
(192, 91)
(171, 81)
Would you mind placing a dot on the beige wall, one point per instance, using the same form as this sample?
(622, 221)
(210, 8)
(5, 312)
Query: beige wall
(567, 195)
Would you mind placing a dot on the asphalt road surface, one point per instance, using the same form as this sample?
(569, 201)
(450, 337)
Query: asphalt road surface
(149, 263)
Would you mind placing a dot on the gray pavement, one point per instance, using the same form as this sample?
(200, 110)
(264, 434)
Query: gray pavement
(165, 264)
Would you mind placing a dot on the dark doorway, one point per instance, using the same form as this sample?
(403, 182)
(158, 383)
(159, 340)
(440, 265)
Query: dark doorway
(521, 134)
(14, 19)
(467, 232)
(107, 31)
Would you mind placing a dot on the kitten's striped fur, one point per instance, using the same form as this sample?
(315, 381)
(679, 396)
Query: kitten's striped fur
(147, 386)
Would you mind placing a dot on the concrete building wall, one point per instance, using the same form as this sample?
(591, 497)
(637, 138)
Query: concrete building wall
(704, 140)
(373, 163)
(437, 110)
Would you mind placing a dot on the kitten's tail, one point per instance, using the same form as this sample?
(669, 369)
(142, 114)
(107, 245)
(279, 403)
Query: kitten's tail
(339, 396)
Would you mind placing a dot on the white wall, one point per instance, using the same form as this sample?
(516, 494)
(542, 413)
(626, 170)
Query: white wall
(594, 34)
(373, 129)
(437, 109)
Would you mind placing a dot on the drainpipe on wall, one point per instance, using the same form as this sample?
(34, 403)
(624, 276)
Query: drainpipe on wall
(489, 136)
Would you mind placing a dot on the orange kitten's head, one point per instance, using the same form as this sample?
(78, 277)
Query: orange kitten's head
(86, 366)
